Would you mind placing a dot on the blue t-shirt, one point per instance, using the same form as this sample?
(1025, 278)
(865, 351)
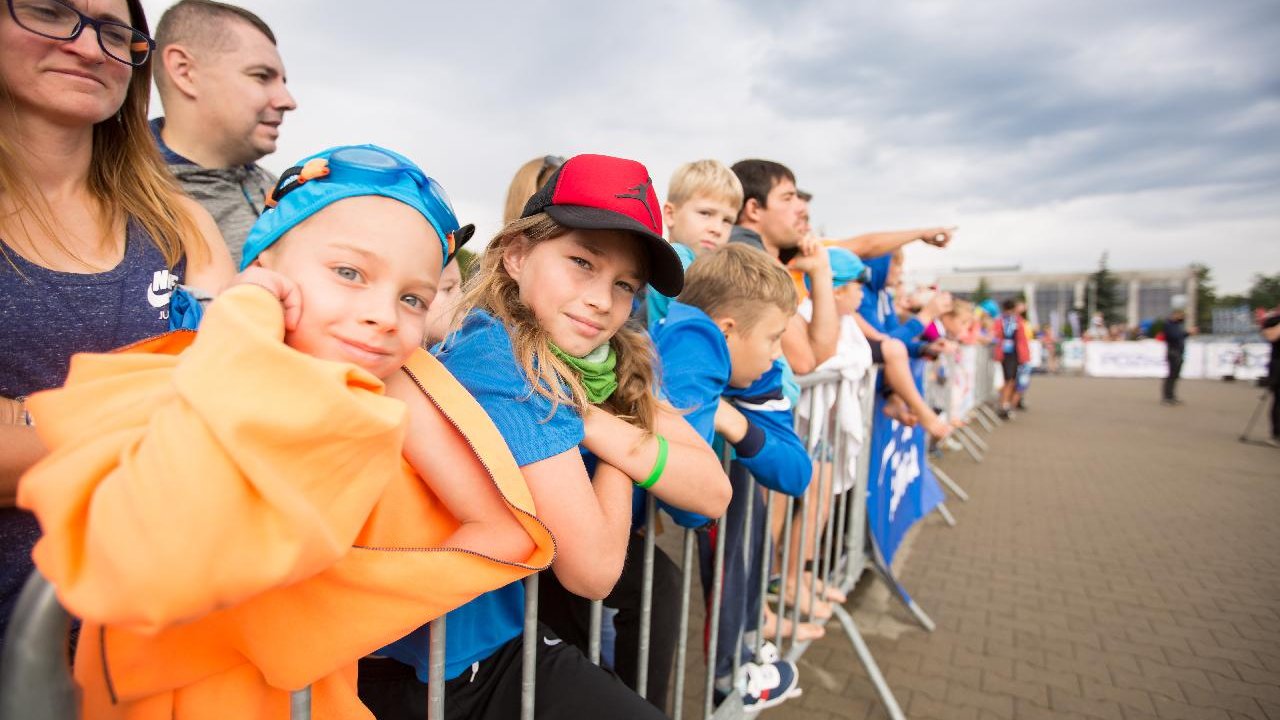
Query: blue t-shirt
(656, 304)
(480, 356)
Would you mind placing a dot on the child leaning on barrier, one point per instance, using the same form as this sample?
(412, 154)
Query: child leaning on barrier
(703, 201)
(721, 338)
(542, 344)
(249, 509)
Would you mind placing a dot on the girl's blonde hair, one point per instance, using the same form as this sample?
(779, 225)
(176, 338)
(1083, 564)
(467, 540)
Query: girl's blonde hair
(528, 179)
(494, 291)
(126, 177)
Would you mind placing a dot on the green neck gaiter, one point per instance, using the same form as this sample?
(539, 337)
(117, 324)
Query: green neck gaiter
(595, 370)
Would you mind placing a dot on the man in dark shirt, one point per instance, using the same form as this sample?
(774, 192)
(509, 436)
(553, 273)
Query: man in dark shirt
(1175, 339)
(1271, 332)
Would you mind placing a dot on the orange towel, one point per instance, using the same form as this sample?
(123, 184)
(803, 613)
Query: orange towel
(233, 519)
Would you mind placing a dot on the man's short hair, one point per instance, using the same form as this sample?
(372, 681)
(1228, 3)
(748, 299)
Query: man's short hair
(201, 24)
(706, 178)
(737, 281)
(758, 177)
(1009, 304)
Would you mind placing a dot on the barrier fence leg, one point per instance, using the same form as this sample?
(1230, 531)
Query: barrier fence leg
(982, 419)
(300, 704)
(435, 669)
(975, 438)
(950, 484)
(646, 597)
(886, 574)
(766, 563)
(798, 583)
(35, 671)
(869, 663)
(748, 511)
(717, 591)
(968, 446)
(786, 565)
(528, 669)
(593, 632)
(991, 415)
(946, 514)
(682, 646)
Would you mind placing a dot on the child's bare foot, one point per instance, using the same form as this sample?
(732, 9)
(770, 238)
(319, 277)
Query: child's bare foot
(807, 632)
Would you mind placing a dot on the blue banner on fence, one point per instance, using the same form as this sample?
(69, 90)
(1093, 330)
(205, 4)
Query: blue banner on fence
(902, 489)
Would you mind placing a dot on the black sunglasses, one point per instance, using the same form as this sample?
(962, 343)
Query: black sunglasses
(57, 20)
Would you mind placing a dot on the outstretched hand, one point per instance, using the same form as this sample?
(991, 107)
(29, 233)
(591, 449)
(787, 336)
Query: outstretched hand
(939, 236)
(285, 290)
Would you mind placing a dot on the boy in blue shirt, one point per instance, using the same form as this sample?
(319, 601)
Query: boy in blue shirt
(718, 346)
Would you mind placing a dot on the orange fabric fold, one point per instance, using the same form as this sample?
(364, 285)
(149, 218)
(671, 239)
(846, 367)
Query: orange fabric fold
(233, 519)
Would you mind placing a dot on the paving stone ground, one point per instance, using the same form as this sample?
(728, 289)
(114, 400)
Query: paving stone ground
(1118, 559)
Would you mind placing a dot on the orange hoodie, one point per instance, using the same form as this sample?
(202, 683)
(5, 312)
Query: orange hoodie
(233, 520)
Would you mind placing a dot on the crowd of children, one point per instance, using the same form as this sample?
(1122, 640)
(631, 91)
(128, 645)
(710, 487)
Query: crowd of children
(333, 471)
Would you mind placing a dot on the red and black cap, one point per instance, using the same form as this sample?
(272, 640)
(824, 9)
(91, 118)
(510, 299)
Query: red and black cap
(598, 192)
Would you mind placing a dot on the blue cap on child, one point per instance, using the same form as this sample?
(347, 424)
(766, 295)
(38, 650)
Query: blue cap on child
(989, 307)
(351, 171)
(846, 267)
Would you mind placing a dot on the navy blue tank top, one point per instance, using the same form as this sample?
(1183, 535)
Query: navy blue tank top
(46, 316)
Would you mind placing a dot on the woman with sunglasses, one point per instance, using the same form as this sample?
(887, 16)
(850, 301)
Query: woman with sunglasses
(94, 232)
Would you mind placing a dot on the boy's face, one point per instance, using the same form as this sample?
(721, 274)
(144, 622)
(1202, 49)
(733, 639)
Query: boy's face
(580, 286)
(440, 313)
(701, 223)
(752, 353)
(848, 298)
(366, 269)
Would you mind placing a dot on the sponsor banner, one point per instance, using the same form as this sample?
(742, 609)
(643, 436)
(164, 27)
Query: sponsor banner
(1138, 359)
(1244, 361)
(1072, 354)
(902, 489)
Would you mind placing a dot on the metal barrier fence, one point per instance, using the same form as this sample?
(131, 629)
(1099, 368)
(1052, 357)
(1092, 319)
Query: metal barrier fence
(822, 544)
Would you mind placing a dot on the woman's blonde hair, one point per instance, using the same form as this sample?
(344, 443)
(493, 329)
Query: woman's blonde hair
(494, 291)
(126, 177)
(531, 176)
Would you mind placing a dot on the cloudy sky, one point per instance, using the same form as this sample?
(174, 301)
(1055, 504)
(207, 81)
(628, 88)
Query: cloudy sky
(1049, 132)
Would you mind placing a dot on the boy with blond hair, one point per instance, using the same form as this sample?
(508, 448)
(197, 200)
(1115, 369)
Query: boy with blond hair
(702, 204)
(718, 344)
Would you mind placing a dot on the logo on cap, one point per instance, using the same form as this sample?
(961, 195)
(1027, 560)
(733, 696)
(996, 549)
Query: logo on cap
(642, 194)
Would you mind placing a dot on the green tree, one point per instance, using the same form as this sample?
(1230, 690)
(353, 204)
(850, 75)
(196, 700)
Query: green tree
(1104, 295)
(1206, 296)
(982, 292)
(1265, 291)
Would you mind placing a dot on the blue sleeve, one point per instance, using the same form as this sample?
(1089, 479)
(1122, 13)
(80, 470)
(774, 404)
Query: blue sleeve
(781, 462)
(909, 333)
(480, 356)
(695, 370)
(656, 305)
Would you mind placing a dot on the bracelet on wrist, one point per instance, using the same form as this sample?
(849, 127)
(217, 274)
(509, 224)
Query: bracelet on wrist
(659, 465)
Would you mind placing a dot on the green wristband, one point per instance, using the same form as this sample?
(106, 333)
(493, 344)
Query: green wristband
(658, 465)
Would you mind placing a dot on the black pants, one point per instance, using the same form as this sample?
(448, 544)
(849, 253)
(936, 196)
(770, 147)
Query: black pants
(1171, 380)
(570, 617)
(569, 687)
(1275, 408)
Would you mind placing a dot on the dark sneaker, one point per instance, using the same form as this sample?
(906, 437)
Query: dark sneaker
(768, 685)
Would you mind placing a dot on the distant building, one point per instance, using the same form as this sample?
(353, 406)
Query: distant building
(1151, 294)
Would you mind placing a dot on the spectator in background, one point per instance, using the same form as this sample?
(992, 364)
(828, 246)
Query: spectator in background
(95, 233)
(1271, 332)
(222, 84)
(531, 176)
(1175, 340)
(1011, 350)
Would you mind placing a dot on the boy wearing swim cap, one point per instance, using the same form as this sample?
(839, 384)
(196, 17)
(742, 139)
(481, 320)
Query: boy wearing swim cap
(263, 502)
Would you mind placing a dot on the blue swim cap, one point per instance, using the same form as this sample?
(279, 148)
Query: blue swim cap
(846, 267)
(990, 308)
(350, 171)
